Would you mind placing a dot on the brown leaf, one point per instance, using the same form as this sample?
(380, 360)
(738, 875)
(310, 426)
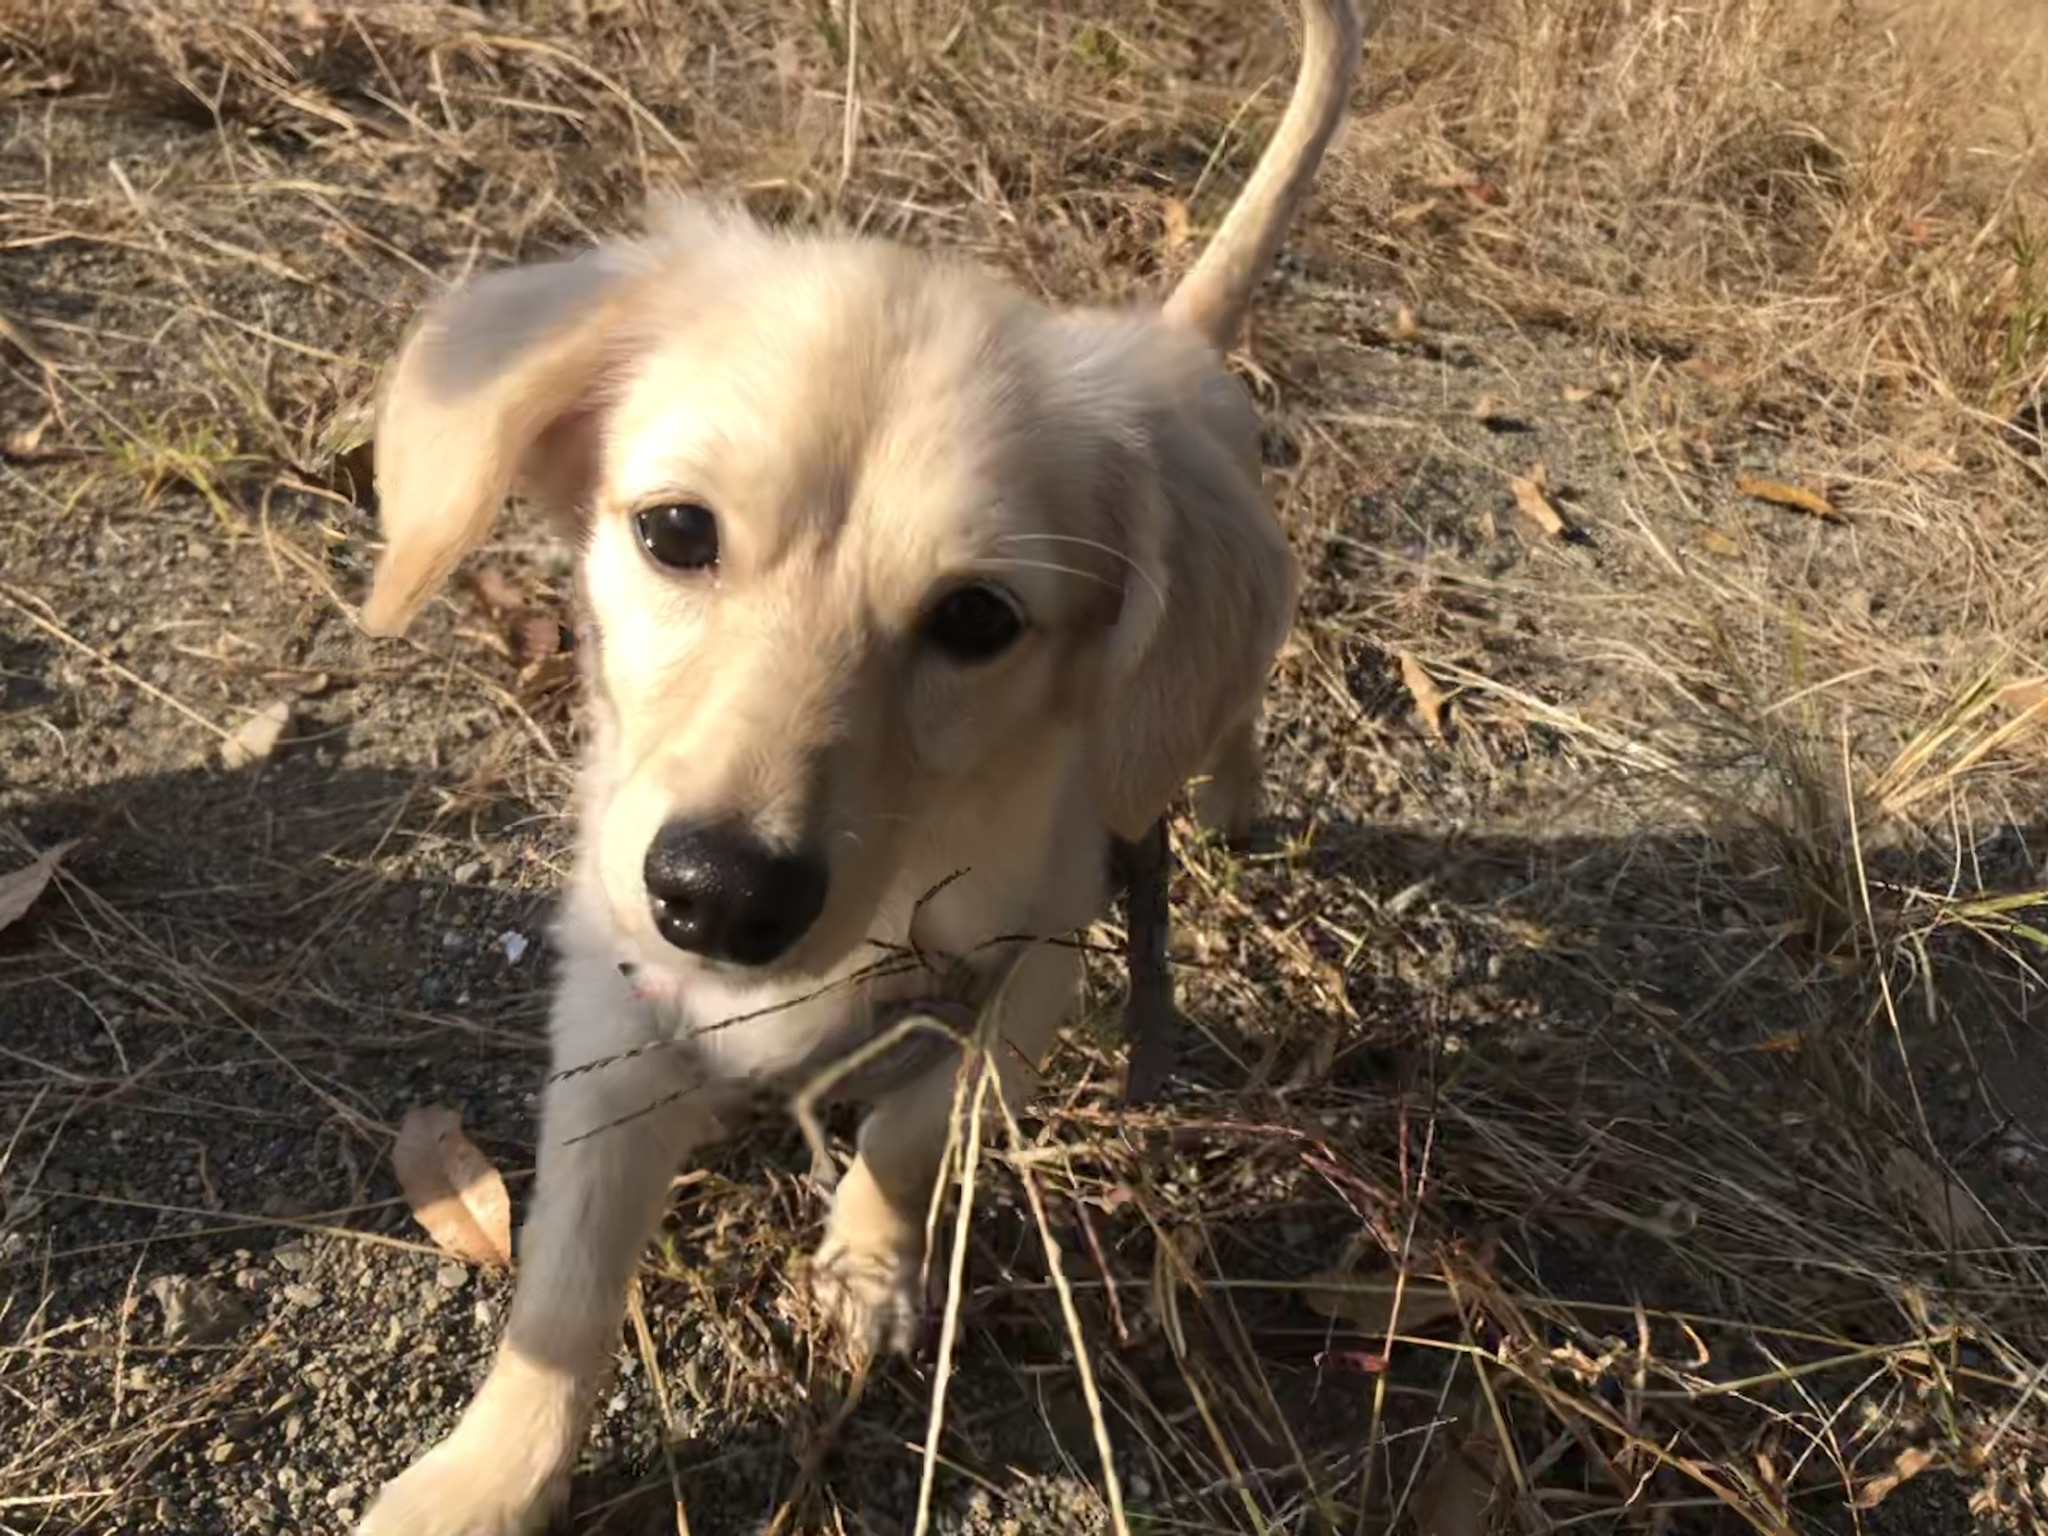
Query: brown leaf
(452, 1188)
(1533, 503)
(1909, 1464)
(1938, 1199)
(1429, 699)
(256, 737)
(501, 594)
(1406, 326)
(1368, 1305)
(2028, 699)
(1797, 497)
(1462, 1494)
(19, 888)
(1714, 542)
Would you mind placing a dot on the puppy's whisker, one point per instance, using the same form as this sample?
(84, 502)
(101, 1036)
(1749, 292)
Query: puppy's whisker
(1056, 569)
(1087, 543)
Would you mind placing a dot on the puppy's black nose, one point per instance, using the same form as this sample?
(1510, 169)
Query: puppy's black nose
(725, 895)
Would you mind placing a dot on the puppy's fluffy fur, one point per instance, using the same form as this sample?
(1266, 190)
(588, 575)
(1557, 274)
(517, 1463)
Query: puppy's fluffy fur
(871, 428)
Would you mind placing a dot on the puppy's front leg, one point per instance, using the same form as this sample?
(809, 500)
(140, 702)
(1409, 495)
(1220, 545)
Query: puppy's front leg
(868, 1271)
(600, 1186)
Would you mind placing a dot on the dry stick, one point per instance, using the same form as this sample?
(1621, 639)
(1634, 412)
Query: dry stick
(804, 1106)
(644, 1339)
(641, 116)
(1069, 1314)
(57, 632)
(1375, 1437)
(1190, 1372)
(949, 1328)
(348, 1112)
(849, 126)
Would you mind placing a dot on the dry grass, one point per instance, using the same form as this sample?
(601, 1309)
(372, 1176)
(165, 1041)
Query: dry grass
(1658, 1032)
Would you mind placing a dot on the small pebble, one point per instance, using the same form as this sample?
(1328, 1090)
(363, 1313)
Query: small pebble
(452, 1276)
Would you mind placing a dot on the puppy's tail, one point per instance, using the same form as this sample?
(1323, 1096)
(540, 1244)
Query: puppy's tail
(1213, 297)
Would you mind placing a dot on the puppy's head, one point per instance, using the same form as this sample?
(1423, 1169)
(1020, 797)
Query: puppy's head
(878, 560)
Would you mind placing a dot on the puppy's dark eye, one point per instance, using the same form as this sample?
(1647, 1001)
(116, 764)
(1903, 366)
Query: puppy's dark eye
(975, 623)
(682, 536)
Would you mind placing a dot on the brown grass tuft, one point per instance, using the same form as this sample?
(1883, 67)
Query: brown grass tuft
(1619, 1105)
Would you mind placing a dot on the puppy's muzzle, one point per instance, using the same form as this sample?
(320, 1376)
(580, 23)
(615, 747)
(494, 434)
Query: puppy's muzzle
(719, 892)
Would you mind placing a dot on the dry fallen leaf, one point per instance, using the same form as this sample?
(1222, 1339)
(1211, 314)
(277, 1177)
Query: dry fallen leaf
(1797, 497)
(1909, 1464)
(19, 888)
(2028, 700)
(1713, 541)
(1579, 394)
(1939, 1200)
(452, 1188)
(256, 737)
(1429, 699)
(1532, 500)
(1461, 1495)
(1368, 1305)
(1406, 326)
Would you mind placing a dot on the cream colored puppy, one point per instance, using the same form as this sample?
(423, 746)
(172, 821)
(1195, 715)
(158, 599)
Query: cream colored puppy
(901, 596)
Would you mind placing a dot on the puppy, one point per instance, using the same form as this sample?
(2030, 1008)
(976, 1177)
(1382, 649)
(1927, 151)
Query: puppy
(901, 597)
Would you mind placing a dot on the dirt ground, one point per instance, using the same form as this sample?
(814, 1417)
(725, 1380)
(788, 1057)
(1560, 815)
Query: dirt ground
(1641, 958)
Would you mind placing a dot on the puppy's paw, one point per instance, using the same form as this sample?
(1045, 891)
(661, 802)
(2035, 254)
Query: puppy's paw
(461, 1488)
(872, 1299)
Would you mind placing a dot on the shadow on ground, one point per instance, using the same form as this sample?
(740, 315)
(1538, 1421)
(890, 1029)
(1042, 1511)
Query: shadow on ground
(1524, 1071)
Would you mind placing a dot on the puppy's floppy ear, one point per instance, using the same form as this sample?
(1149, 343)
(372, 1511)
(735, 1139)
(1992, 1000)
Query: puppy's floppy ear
(484, 377)
(1209, 585)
